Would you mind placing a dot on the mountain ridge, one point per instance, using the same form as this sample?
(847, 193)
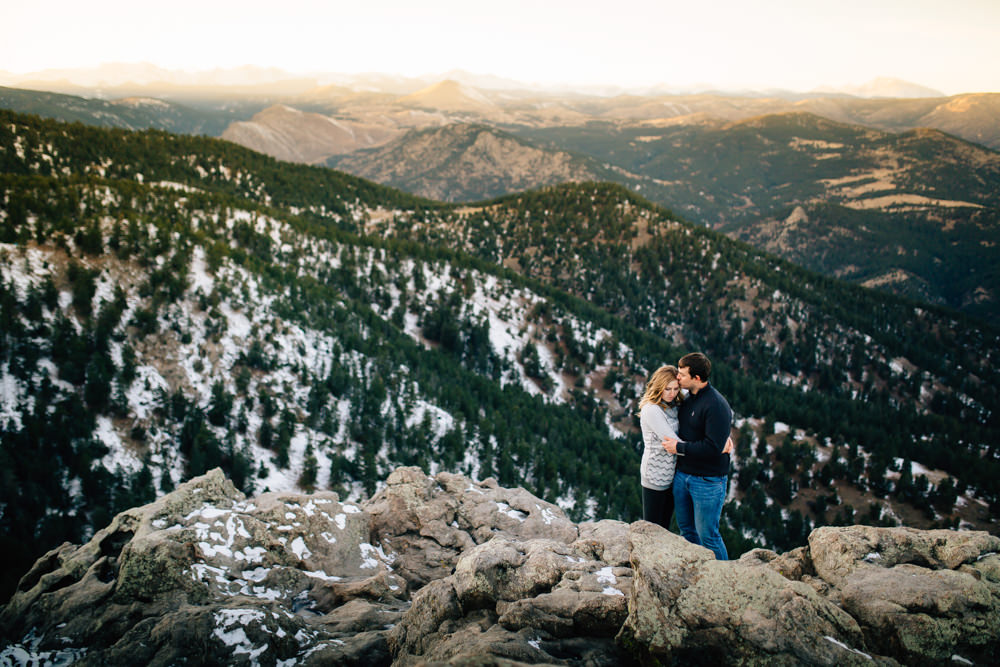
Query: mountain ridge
(116, 113)
(738, 177)
(885, 87)
(460, 162)
(111, 74)
(448, 95)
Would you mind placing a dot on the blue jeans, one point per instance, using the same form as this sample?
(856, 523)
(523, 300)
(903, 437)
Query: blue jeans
(698, 506)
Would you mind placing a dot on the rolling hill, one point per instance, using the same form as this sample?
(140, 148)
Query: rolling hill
(135, 113)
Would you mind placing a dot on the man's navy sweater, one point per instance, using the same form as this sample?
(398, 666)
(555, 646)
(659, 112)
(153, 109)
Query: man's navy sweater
(705, 419)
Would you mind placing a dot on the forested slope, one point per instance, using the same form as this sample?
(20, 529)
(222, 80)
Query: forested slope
(175, 303)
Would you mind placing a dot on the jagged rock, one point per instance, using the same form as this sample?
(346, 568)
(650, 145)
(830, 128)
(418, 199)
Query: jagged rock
(417, 519)
(365, 649)
(429, 522)
(794, 565)
(837, 551)
(163, 582)
(921, 595)
(446, 570)
(433, 607)
(605, 541)
(505, 570)
(537, 588)
(688, 607)
(360, 615)
(480, 640)
(581, 607)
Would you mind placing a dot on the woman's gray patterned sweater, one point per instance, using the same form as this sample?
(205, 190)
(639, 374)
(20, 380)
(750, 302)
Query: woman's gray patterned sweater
(657, 468)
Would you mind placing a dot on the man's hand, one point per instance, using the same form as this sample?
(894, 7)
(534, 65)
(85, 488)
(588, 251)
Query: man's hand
(670, 444)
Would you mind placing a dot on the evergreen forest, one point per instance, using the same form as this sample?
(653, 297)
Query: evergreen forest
(170, 304)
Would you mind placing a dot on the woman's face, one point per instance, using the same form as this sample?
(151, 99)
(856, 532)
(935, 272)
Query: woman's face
(670, 393)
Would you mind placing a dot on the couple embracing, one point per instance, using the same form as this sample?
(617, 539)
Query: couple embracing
(685, 459)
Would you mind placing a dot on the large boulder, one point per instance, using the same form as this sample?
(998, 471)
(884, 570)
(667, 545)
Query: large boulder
(687, 607)
(533, 601)
(924, 596)
(430, 521)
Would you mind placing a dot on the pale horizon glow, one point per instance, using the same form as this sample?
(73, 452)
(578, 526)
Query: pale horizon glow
(790, 44)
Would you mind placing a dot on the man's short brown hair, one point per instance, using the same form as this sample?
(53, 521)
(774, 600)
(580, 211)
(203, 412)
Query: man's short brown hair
(697, 364)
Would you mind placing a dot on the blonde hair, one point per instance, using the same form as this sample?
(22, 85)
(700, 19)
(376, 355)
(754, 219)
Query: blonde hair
(657, 384)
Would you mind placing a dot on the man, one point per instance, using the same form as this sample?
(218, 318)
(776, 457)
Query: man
(702, 467)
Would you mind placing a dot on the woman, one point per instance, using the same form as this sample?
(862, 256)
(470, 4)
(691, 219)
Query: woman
(658, 420)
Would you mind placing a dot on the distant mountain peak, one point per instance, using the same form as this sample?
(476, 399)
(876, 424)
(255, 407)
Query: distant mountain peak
(449, 95)
(884, 86)
(136, 102)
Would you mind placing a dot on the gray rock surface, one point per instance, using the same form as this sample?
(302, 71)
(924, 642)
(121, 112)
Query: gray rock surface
(447, 570)
(923, 596)
(687, 605)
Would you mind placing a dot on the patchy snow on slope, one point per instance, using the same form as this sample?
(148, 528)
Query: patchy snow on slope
(200, 278)
(441, 422)
(24, 267)
(12, 399)
(119, 457)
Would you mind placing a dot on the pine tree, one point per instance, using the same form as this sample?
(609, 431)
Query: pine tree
(310, 470)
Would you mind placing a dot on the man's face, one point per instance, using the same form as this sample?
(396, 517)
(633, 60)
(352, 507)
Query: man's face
(684, 377)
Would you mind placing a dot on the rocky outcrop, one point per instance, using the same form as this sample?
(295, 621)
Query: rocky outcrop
(687, 606)
(447, 570)
(922, 596)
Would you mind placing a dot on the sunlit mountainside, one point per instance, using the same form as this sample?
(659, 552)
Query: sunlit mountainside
(463, 162)
(174, 303)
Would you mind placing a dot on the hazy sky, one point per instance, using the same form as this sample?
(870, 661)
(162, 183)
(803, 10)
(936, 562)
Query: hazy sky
(952, 46)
